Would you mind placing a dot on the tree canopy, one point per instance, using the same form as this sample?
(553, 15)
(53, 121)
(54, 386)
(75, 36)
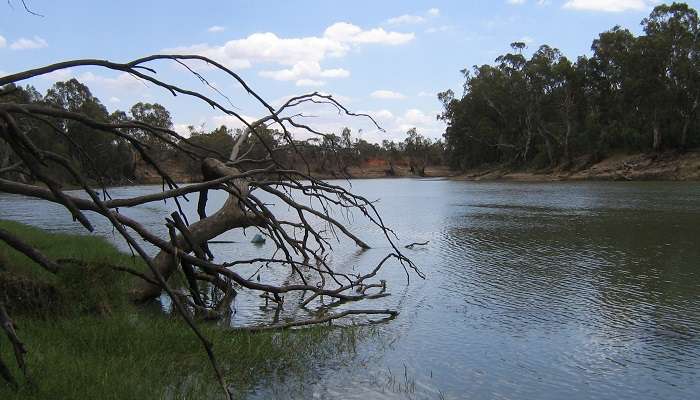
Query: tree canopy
(633, 93)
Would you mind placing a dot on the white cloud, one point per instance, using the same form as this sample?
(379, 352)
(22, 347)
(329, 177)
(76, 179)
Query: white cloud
(182, 129)
(59, 75)
(405, 19)
(303, 72)
(123, 81)
(29, 44)
(302, 55)
(216, 29)
(414, 118)
(327, 121)
(516, 2)
(397, 125)
(387, 95)
(230, 121)
(608, 5)
(114, 100)
(413, 19)
(309, 82)
(382, 115)
(3, 42)
(344, 32)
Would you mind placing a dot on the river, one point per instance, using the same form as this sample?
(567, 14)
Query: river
(548, 291)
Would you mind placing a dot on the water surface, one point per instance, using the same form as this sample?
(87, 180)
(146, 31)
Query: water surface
(548, 291)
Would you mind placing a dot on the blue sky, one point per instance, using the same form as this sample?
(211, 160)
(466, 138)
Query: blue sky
(388, 58)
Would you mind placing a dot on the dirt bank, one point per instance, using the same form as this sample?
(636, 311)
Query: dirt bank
(669, 166)
(183, 172)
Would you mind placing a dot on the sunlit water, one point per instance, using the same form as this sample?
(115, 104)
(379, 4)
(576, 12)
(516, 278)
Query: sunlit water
(547, 291)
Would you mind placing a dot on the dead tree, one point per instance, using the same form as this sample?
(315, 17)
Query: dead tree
(302, 243)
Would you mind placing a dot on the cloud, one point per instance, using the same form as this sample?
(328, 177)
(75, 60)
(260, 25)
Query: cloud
(310, 82)
(216, 29)
(382, 115)
(387, 95)
(123, 81)
(59, 75)
(29, 44)
(516, 2)
(114, 100)
(396, 125)
(344, 32)
(413, 19)
(304, 70)
(182, 129)
(302, 56)
(230, 121)
(414, 118)
(405, 19)
(327, 120)
(608, 5)
(3, 42)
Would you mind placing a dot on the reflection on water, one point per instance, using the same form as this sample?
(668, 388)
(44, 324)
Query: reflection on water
(577, 290)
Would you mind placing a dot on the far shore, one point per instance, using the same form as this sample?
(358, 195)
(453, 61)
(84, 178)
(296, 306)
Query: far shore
(669, 166)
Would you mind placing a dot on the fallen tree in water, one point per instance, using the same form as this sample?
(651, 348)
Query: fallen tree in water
(302, 243)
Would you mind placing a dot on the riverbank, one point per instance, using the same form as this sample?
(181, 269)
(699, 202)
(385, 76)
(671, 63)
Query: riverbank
(147, 175)
(669, 166)
(86, 340)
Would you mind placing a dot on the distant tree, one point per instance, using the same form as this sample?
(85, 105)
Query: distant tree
(152, 114)
(633, 93)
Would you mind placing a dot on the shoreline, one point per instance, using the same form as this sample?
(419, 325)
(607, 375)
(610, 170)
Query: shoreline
(668, 166)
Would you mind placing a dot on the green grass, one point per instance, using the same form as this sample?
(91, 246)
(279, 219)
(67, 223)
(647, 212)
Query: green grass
(78, 350)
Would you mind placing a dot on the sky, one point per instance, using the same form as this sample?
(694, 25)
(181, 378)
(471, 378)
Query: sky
(386, 58)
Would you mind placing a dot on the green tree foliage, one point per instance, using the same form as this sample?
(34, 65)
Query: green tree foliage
(632, 94)
(152, 114)
(98, 154)
(92, 151)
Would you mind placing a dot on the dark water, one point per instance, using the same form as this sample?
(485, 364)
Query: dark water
(547, 291)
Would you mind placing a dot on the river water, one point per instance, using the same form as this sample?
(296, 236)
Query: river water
(547, 291)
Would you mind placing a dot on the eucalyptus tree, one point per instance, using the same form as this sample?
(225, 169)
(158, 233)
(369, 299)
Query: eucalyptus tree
(670, 48)
(632, 94)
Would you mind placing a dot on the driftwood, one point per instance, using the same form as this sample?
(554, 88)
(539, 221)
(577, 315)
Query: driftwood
(412, 245)
(302, 243)
(390, 314)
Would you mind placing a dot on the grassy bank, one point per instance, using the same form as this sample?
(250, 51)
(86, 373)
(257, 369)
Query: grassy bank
(85, 340)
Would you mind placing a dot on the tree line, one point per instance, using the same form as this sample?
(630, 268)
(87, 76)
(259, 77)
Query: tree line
(114, 159)
(633, 93)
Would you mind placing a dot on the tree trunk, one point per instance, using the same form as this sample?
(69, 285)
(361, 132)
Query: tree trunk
(684, 134)
(657, 138)
(229, 217)
(567, 149)
(656, 146)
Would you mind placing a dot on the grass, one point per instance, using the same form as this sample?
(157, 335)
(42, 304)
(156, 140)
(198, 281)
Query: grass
(85, 340)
